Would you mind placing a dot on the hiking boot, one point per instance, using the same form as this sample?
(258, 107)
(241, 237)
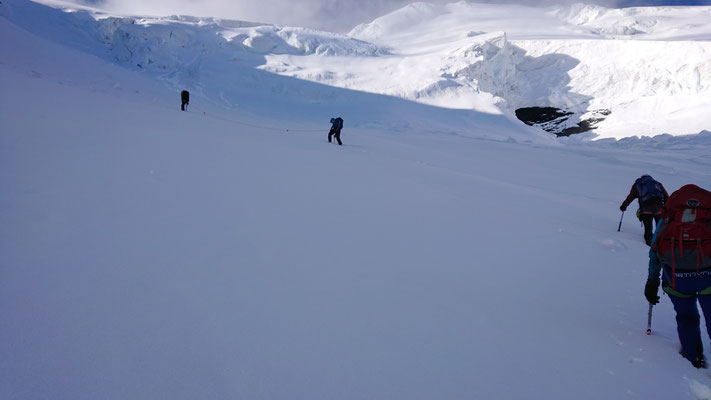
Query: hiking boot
(700, 359)
(699, 363)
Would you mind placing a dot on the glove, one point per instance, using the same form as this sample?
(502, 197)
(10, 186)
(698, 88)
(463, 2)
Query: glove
(650, 291)
(623, 208)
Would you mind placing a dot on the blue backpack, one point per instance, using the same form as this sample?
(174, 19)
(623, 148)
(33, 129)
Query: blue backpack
(648, 189)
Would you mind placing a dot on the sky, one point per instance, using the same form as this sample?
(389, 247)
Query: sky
(331, 15)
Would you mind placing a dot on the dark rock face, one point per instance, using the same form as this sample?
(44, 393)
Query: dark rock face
(557, 121)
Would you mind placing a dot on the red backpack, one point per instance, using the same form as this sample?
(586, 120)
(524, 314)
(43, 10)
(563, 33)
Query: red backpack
(684, 239)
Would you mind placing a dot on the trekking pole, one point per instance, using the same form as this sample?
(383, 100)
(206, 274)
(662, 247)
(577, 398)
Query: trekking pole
(620, 225)
(649, 320)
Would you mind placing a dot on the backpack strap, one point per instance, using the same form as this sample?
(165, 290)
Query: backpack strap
(673, 264)
(699, 250)
(673, 292)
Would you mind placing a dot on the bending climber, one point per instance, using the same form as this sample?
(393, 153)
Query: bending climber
(337, 125)
(185, 99)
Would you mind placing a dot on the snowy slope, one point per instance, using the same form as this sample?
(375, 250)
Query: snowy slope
(225, 62)
(648, 69)
(629, 72)
(647, 23)
(440, 253)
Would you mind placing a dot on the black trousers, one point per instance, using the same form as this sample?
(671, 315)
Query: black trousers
(335, 133)
(649, 227)
(182, 106)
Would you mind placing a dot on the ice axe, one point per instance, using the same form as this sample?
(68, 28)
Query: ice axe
(649, 320)
(620, 225)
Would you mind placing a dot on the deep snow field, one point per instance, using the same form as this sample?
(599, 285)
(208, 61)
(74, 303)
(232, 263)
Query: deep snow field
(231, 252)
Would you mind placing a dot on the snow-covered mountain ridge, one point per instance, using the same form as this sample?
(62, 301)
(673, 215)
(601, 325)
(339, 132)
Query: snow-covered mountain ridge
(649, 23)
(647, 68)
(627, 72)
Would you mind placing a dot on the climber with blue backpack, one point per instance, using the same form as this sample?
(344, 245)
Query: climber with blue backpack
(651, 196)
(335, 131)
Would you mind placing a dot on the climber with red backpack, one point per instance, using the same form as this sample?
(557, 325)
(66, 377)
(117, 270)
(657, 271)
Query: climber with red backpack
(652, 196)
(681, 252)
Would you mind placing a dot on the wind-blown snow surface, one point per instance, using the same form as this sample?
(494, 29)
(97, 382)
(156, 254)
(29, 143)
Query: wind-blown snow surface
(148, 253)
